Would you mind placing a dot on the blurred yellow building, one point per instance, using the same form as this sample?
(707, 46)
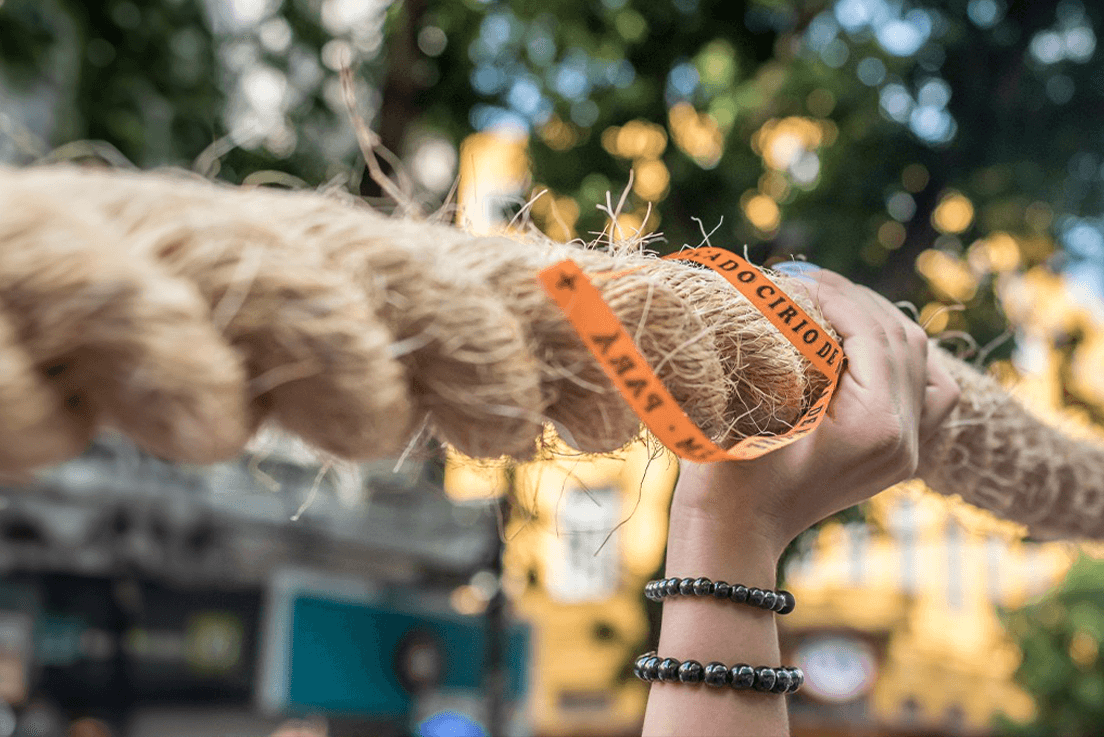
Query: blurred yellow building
(586, 533)
(896, 626)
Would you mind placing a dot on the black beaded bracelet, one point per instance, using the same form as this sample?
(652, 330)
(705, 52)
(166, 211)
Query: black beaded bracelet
(650, 668)
(781, 601)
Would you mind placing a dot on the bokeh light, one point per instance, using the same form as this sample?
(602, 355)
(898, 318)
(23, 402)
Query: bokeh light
(953, 214)
(948, 276)
(651, 179)
(763, 212)
(698, 135)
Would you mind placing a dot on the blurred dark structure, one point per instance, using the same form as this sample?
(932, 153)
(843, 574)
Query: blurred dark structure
(141, 586)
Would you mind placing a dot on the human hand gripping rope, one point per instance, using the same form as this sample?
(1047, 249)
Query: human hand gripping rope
(731, 521)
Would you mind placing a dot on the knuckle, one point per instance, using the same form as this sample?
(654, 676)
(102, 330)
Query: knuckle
(954, 393)
(887, 442)
(881, 336)
(900, 332)
(917, 335)
(896, 450)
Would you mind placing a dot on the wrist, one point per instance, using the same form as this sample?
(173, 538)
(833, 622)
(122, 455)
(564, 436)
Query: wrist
(721, 549)
(720, 505)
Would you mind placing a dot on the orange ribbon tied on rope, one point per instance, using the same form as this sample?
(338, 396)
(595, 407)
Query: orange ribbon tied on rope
(606, 338)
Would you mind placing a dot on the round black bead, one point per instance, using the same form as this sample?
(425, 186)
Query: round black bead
(638, 666)
(691, 672)
(716, 674)
(649, 591)
(739, 594)
(788, 602)
(722, 590)
(798, 679)
(651, 668)
(668, 670)
(686, 586)
(671, 587)
(770, 599)
(782, 680)
(755, 596)
(791, 684)
(764, 679)
(703, 586)
(742, 676)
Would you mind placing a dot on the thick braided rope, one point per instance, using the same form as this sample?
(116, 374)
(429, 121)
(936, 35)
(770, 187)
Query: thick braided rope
(185, 314)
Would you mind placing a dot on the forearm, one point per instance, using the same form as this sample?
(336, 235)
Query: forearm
(706, 629)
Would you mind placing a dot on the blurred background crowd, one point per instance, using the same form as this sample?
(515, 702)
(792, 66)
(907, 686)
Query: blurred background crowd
(948, 153)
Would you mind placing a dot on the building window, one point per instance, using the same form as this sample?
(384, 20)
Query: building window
(903, 525)
(858, 538)
(955, 560)
(583, 556)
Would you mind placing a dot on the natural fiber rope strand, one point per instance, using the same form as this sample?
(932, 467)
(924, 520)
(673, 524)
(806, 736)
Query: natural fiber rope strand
(185, 314)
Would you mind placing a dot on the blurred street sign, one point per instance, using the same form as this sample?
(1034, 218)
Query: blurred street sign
(327, 649)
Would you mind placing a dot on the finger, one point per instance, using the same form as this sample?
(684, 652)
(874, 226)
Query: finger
(860, 326)
(940, 397)
(906, 349)
(909, 348)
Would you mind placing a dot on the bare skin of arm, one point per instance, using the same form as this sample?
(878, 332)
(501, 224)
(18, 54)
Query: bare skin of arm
(731, 521)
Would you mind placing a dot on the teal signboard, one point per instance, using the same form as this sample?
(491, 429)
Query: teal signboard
(352, 658)
(367, 654)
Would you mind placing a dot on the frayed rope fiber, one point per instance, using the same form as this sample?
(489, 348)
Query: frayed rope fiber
(185, 314)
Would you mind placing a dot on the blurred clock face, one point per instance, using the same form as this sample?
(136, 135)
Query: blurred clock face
(837, 668)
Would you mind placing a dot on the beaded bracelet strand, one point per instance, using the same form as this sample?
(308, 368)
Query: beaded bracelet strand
(780, 602)
(650, 668)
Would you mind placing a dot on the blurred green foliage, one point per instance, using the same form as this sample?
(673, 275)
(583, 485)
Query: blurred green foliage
(994, 99)
(1060, 637)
